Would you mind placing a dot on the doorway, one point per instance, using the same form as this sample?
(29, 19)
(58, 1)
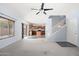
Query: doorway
(36, 30)
(24, 30)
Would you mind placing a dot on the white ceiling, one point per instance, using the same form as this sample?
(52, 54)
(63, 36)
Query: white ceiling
(23, 10)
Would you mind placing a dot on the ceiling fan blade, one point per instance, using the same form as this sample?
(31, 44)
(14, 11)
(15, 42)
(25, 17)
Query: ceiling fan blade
(33, 9)
(44, 12)
(48, 9)
(42, 6)
(37, 13)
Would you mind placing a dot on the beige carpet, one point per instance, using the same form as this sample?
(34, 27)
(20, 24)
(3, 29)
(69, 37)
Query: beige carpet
(37, 47)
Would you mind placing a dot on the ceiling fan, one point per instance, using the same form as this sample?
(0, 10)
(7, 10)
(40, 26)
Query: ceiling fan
(42, 9)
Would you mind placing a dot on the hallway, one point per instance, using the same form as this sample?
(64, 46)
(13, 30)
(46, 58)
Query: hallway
(37, 47)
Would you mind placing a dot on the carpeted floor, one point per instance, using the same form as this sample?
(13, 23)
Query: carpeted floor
(38, 47)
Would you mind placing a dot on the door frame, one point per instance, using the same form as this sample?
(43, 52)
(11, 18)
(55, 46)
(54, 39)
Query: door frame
(22, 30)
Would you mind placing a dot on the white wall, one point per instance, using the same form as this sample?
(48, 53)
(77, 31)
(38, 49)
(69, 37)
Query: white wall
(48, 29)
(78, 31)
(73, 27)
(72, 30)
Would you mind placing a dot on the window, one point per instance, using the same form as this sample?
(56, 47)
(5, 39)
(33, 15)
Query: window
(6, 27)
(11, 28)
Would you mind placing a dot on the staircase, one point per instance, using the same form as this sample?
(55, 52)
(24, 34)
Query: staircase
(58, 31)
(59, 26)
